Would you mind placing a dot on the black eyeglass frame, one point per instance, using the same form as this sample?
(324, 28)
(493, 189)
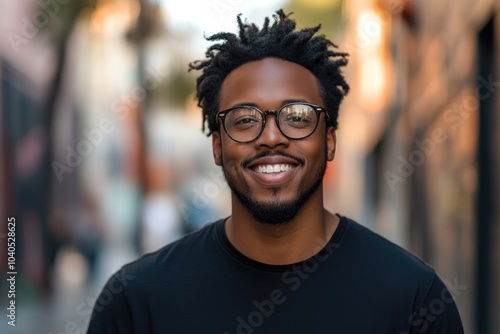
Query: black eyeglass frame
(222, 115)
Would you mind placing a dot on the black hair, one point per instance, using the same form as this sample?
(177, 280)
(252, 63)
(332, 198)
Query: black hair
(279, 40)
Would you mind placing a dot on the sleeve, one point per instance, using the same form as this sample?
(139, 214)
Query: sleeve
(111, 313)
(438, 313)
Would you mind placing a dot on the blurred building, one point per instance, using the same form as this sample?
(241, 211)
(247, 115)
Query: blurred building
(420, 122)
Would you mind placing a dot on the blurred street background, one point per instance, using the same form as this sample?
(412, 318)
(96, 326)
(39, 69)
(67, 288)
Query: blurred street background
(103, 158)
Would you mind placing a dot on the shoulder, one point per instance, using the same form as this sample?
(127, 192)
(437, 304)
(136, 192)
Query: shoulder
(385, 261)
(182, 253)
(381, 250)
(143, 281)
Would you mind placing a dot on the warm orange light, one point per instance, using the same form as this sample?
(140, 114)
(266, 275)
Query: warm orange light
(373, 82)
(372, 73)
(114, 16)
(370, 28)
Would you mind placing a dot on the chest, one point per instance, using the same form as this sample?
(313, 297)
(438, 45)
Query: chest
(300, 301)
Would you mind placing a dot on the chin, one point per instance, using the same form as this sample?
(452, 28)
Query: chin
(276, 211)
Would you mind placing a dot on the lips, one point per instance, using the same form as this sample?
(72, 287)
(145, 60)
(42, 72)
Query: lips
(273, 169)
(271, 159)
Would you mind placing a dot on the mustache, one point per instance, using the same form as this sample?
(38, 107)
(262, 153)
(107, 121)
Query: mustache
(271, 154)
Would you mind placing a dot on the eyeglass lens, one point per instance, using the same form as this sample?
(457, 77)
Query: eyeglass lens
(295, 121)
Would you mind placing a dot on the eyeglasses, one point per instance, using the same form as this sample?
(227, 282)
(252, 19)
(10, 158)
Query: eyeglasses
(296, 120)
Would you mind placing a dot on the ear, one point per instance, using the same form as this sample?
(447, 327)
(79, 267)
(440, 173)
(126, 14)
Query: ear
(331, 143)
(217, 148)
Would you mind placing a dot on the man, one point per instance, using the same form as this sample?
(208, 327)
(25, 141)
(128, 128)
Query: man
(280, 263)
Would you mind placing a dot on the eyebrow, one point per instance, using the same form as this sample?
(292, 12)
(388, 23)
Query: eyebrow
(252, 104)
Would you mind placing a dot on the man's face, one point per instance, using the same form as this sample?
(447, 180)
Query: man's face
(273, 197)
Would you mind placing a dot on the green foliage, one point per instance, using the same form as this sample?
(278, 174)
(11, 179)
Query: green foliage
(178, 88)
(309, 15)
(61, 24)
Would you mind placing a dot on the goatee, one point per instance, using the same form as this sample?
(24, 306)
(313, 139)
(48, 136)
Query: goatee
(276, 211)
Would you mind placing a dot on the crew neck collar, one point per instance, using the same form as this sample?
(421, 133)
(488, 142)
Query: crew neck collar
(323, 255)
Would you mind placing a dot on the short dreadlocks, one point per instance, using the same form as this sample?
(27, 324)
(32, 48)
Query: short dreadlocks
(279, 40)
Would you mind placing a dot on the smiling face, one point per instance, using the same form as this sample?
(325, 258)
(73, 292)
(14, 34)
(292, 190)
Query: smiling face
(273, 177)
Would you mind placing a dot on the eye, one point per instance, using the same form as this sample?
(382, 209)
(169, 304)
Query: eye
(298, 115)
(297, 118)
(243, 118)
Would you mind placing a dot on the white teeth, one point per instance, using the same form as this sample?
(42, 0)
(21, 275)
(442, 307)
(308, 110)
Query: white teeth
(273, 168)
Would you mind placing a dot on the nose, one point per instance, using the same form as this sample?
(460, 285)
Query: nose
(271, 135)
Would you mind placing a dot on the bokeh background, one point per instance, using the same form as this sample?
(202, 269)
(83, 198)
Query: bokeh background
(103, 158)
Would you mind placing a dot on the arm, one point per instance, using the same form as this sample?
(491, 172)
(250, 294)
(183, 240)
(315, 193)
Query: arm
(111, 313)
(438, 313)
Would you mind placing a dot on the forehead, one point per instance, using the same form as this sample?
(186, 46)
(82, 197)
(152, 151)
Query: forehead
(269, 83)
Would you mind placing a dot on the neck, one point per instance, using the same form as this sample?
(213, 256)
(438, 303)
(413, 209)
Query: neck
(301, 238)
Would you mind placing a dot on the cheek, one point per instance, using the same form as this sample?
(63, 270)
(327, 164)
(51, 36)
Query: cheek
(315, 151)
(231, 159)
(231, 167)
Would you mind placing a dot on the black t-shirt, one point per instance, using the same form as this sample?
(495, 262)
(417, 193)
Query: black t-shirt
(358, 283)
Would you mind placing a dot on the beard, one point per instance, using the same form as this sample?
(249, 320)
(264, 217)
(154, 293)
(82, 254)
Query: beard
(277, 211)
